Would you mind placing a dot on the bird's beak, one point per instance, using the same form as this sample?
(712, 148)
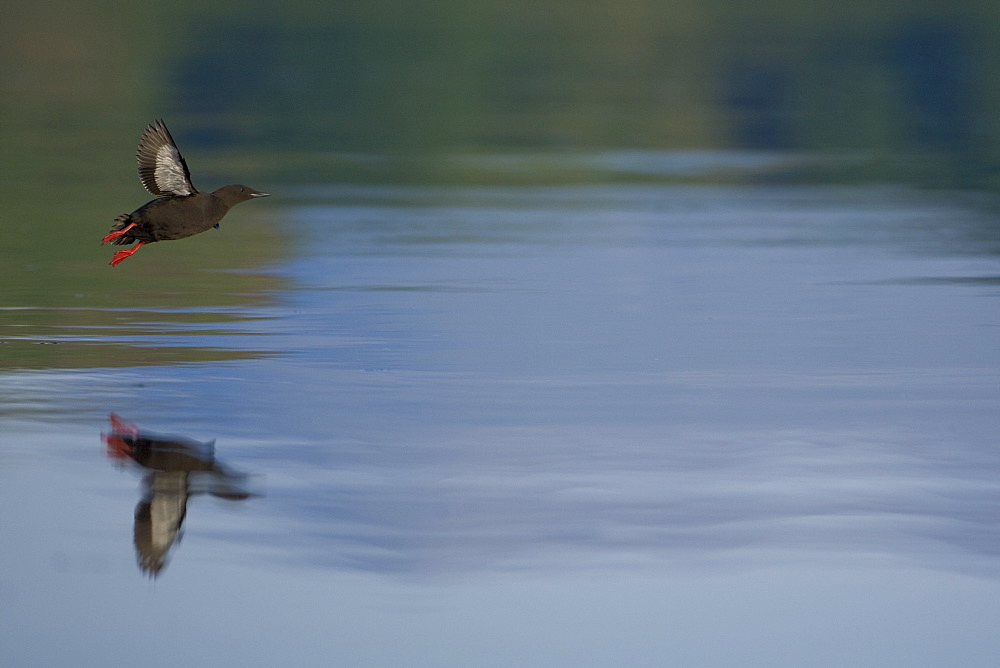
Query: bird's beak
(260, 194)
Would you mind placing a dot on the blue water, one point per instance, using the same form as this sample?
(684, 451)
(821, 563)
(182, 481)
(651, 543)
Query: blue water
(589, 425)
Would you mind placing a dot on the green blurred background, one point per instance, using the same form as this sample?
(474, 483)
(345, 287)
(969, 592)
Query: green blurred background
(274, 94)
(302, 79)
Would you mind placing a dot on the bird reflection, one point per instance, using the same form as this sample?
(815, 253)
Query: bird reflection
(178, 469)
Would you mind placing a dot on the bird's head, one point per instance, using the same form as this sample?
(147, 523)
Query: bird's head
(235, 194)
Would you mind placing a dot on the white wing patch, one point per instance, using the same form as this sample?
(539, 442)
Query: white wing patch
(161, 168)
(169, 173)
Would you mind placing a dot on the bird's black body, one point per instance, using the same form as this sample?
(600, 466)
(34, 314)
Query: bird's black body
(179, 216)
(180, 210)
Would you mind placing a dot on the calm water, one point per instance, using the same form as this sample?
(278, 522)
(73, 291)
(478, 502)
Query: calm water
(582, 425)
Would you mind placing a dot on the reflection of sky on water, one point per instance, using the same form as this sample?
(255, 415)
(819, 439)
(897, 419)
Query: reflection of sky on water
(715, 409)
(563, 498)
(624, 375)
(405, 493)
(606, 375)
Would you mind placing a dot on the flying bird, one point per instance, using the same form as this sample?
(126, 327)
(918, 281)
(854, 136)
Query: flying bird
(179, 210)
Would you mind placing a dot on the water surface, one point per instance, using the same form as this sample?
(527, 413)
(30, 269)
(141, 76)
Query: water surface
(565, 425)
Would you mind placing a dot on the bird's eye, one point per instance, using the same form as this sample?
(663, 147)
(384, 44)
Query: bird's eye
(241, 189)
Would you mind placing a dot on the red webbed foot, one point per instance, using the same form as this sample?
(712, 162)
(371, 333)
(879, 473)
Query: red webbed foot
(115, 235)
(122, 254)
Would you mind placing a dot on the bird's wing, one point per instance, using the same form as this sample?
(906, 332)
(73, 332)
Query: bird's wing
(162, 170)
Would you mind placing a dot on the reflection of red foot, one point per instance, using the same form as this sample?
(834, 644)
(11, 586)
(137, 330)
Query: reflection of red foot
(118, 440)
(122, 426)
(115, 235)
(122, 254)
(117, 447)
